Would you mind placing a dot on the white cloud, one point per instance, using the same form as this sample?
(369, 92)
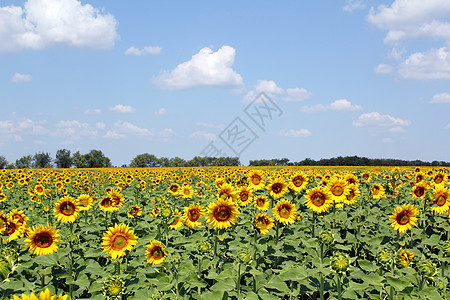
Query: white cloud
(95, 111)
(44, 23)
(161, 111)
(206, 68)
(340, 105)
(210, 125)
(397, 129)
(272, 90)
(375, 119)
(297, 95)
(441, 98)
(75, 130)
(387, 140)
(296, 133)
(353, 5)
(125, 109)
(130, 128)
(413, 19)
(206, 135)
(25, 126)
(146, 50)
(18, 78)
(100, 125)
(432, 64)
(384, 69)
(448, 126)
(112, 134)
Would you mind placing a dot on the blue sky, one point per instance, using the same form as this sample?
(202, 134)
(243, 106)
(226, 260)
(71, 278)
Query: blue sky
(169, 78)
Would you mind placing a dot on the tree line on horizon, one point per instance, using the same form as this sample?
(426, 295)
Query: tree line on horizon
(96, 159)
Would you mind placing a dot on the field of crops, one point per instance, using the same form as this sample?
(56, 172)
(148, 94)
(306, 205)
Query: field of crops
(225, 233)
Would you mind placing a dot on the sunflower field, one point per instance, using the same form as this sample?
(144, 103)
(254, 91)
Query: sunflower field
(225, 233)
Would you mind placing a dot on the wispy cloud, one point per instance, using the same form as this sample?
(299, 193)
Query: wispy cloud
(146, 50)
(19, 78)
(340, 105)
(125, 109)
(295, 132)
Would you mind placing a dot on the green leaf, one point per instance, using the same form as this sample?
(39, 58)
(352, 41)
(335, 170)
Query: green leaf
(226, 284)
(368, 266)
(397, 283)
(276, 283)
(47, 260)
(295, 274)
(373, 279)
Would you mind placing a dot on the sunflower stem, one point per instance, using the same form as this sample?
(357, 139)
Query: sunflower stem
(71, 262)
(339, 287)
(238, 283)
(118, 266)
(321, 275)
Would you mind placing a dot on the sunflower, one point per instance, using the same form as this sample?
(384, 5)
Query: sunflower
(187, 191)
(43, 240)
(107, 204)
(339, 189)
(353, 195)
(285, 212)
(66, 210)
(377, 191)
(222, 213)
(2, 196)
(256, 179)
(39, 190)
(178, 222)
(14, 229)
(404, 217)
(263, 222)
(441, 199)
(45, 295)
(419, 177)
(134, 211)
(226, 191)
(403, 257)
(3, 221)
(118, 239)
(155, 253)
(245, 196)
(117, 197)
(192, 214)
(351, 179)
(173, 189)
(318, 199)
(439, 177)
(262, 203)
(18, 216)
(277, 188)
(84, 202)
(366, 176)
(297, 182)
(419, 190)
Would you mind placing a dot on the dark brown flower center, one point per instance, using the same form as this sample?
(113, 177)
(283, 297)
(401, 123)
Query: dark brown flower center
(222, 213)
(119, 242)
(318, 199)
(277, 188)
(403, 218)
(43, 240)
(67, 208)
(193, 215)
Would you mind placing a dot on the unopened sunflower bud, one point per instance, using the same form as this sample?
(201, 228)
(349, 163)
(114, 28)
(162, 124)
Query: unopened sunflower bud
(326, 237)
(5, 268)
(166, 212)
(113, 287)
(403, 258)
(446, 248)
(427, 268)
(204, 246)
(156, 295)
(245, 256)
(10, 254)
(440, 284)
(340, 262)
(384, 256)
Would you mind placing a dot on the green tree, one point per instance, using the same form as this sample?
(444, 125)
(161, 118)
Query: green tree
(145, 161)
(96, 159)
(42, 160)
(24, 162)
(3, 162)
(63, 159)
(177, 162)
